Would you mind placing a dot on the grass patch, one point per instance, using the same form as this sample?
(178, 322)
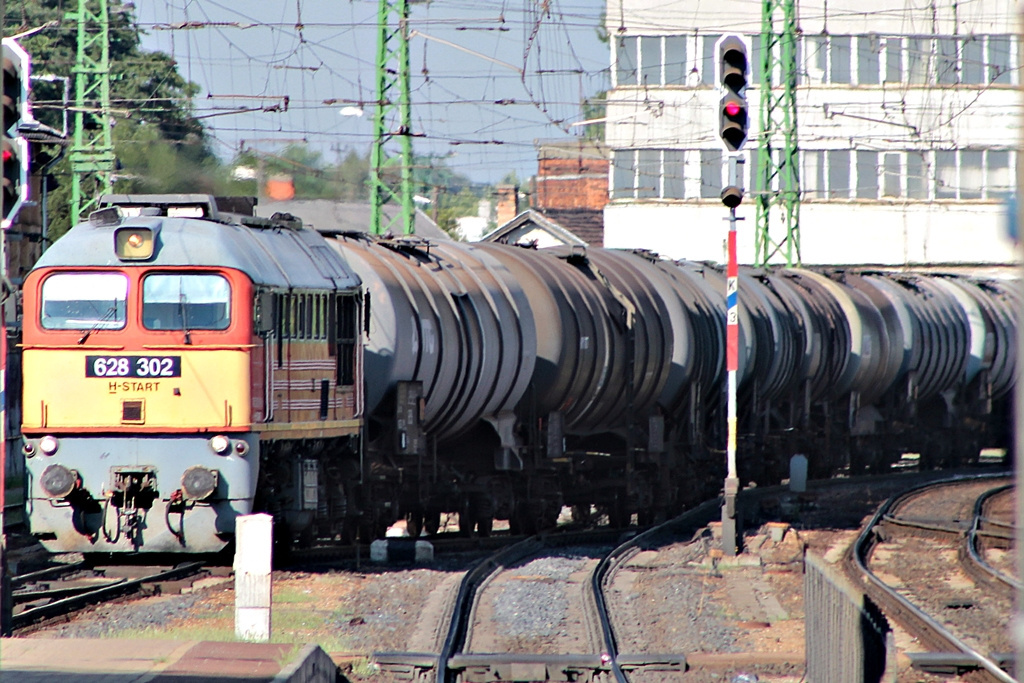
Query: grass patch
(292, 595)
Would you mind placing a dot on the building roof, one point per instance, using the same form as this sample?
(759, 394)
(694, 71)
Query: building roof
(587, 224)
(533, 226)
(327, 215)
(572, 148)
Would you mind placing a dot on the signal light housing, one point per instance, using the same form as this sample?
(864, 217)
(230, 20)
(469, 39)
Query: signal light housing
(733, 74)
(16, 113)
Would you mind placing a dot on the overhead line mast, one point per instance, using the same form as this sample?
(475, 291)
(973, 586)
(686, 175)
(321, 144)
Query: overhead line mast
(777, 184)
(92, 149)
(392, 78)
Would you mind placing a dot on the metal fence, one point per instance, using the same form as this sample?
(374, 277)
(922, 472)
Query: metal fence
(847, 638)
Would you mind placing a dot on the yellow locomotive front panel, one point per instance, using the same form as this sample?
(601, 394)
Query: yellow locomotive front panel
(202, 390)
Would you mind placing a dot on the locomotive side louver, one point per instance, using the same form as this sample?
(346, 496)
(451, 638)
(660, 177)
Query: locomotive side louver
(132, 411)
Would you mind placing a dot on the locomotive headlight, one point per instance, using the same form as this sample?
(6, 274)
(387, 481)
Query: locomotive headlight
(199, 482)
(58, 481)
(28, 448)
(49, 444)
(134, 243)
(241, 447)
(220, 444)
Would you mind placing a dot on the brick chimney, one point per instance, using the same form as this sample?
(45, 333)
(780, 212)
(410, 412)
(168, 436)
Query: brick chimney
(508, 203)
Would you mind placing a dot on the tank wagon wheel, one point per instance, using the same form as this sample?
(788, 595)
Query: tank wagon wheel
(581, 515)
(414, 523)
(432, 522)
(484, 512)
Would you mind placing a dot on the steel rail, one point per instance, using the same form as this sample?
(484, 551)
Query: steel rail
(974, 556)
(913, 618)
(67, 605)
(47, 573)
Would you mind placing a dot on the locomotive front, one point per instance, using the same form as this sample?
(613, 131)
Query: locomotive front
(137, 374)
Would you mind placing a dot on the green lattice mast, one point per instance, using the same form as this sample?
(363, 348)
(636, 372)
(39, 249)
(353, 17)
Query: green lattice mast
(392, 78)
(92, 148)
(778, 186)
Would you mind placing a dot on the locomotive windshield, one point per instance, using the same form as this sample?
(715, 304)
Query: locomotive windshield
(186, 302)
(84, 301)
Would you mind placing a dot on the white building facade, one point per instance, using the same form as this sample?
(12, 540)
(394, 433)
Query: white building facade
(908, 121)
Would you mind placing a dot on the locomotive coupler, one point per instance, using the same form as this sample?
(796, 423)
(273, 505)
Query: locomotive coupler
(133, 487)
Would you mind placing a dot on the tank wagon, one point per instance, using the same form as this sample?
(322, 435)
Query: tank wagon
(514, 381)
(341, 382)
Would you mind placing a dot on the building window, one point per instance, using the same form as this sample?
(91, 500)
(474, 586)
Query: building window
(999, 183)
(710, 174)
(625, 60)
(972, 68)
(839, 59)
(867, 175)
(672, 174)
(1000, 66)
(917, 175)
(893, 60)
(675, 60)
(891, 182)
(651, 61)
(943, 174)
(918, 60)
(708, 58)
(868, 59)
(838, 173)
(648, 174)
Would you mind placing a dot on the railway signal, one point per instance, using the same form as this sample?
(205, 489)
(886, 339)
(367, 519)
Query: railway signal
(733, 74)
(16, 161)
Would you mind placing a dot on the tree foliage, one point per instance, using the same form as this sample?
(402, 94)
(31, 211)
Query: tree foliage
(160, 146)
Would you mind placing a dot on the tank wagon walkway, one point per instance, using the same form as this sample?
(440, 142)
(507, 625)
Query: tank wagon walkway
(86, 660)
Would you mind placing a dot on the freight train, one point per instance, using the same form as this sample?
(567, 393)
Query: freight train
(185, 362)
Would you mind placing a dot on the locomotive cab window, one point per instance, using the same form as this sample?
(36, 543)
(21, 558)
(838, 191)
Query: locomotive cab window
(84, 301)
(177, 301)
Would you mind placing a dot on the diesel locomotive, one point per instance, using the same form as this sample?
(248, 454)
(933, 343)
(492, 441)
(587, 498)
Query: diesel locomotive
(185, 362)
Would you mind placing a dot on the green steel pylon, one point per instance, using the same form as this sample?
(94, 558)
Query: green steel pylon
(778, 172)
(92, 148)
(392, 79)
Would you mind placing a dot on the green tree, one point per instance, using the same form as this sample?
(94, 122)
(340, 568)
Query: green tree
(592, 108)
(159, 144)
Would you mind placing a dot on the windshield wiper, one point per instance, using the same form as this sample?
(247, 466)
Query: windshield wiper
(111, 313)
(184, 318)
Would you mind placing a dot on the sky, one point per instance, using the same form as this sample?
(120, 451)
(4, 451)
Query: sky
(488, 78)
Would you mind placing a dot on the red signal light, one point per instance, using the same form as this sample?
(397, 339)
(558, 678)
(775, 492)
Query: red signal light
(733, 108)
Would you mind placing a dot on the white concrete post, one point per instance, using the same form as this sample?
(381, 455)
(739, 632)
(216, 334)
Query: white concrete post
(253, 587)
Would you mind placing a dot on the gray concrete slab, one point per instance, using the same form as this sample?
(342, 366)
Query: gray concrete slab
(88, 660)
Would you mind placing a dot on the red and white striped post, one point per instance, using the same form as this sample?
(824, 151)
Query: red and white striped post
(732, 195)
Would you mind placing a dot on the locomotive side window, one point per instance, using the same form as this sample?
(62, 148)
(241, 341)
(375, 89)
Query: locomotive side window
(347, 322)
(317, 316)
(186, 302)
(84, 301)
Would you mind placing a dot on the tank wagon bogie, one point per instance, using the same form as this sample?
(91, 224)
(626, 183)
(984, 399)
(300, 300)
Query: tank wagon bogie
(348, 381)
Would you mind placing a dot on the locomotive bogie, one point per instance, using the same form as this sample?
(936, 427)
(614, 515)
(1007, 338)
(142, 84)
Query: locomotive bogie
(148, 493)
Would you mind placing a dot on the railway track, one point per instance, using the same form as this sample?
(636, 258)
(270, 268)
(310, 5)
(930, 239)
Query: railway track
(475, 648)
(55, 593)
(991, 527)
(915, 561)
